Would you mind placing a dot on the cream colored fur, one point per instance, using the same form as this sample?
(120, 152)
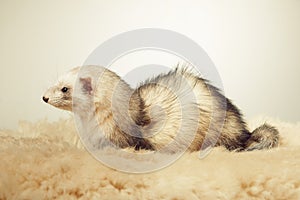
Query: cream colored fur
(46, 161)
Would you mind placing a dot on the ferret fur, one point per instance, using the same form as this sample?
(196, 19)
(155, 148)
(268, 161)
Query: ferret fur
(170, 112)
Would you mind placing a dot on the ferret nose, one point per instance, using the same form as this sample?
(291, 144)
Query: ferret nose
(45, 99)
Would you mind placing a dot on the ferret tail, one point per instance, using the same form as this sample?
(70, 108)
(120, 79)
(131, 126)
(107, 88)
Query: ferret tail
(263, 137)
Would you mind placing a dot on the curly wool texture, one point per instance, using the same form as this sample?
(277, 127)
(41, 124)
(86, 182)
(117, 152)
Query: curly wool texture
(46, 160)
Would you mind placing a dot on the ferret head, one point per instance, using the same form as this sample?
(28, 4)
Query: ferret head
(60, 95)
(64, 95)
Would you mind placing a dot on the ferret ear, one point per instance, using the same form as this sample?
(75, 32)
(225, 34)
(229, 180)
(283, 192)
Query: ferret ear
(86, 84)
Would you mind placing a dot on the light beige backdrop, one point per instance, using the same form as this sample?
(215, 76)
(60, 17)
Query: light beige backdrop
(254, 44)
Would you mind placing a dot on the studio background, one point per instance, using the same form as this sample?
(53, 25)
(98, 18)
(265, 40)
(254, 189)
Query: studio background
(255, 46)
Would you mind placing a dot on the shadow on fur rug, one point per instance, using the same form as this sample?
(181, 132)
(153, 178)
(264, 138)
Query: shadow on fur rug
(46, 161)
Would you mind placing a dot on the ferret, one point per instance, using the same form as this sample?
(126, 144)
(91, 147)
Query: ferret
(170, 112)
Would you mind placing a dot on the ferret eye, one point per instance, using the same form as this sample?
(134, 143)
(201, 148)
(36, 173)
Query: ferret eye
(64, 89)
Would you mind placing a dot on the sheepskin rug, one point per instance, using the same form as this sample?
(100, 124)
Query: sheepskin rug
(46, 160)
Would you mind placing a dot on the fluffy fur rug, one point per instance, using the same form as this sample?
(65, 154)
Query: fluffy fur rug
(46, 161)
